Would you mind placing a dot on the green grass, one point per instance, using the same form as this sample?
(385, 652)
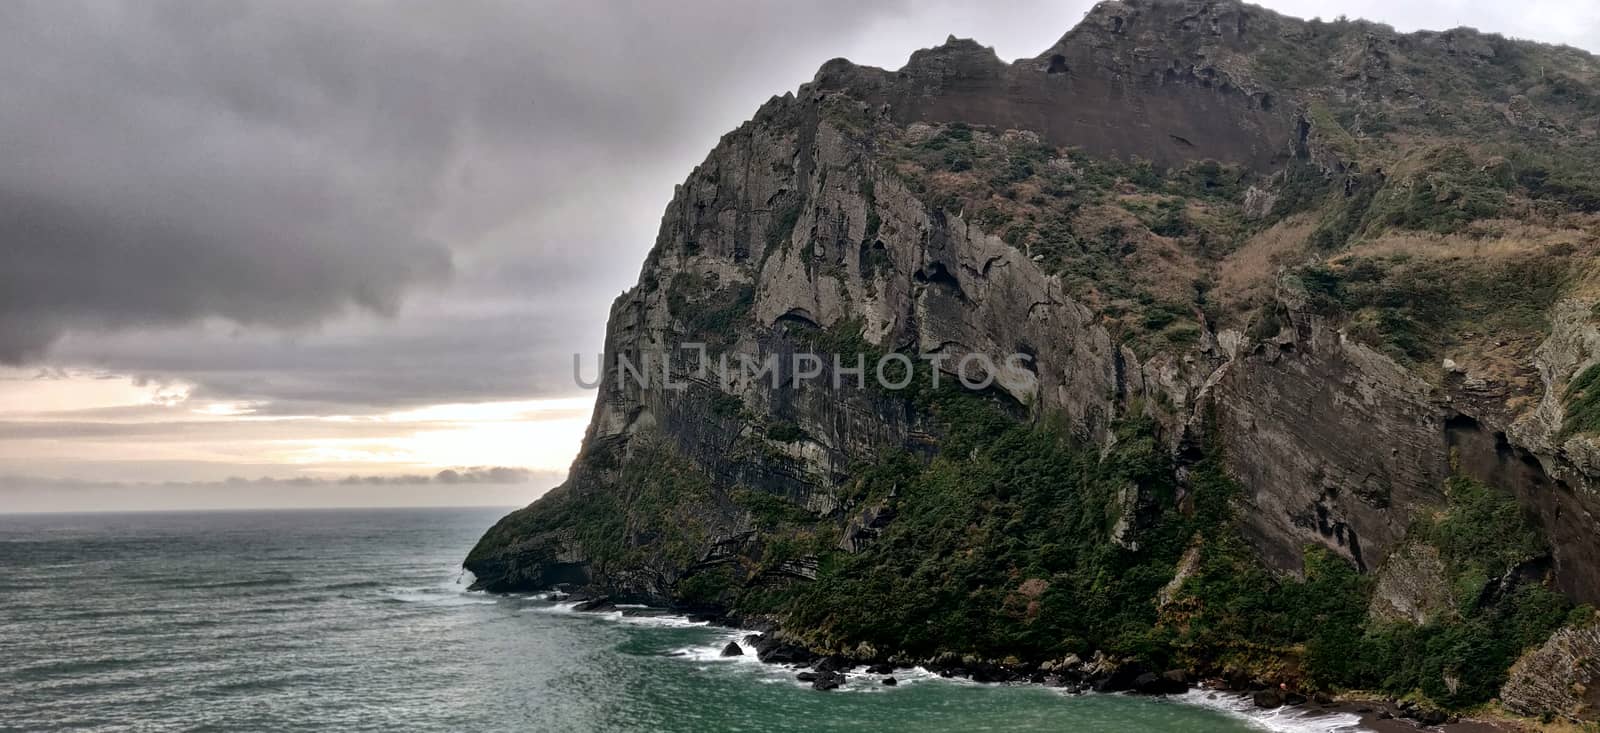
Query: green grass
(1416, 309)
(781, 229)
(784, 431)
(1582, 402)
(708, 309)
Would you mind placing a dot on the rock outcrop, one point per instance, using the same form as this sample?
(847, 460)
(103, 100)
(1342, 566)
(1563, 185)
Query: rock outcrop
(1412, 586)
(1198, 214)
(1560, 678)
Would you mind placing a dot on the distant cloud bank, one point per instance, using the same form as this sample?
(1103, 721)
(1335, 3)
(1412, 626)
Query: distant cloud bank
(495, 475)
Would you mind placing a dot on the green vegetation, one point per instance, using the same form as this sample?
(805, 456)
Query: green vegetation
(1300, 62)
(1568, 180)
(1346, 216)
(1480, 536)
(1331, 133)
(769, 511)
(1167, 217)
(658, 519)
(1457, 662)
(1237, 618)
(1446, 191)
(1127, 237)
(708, 586)
(849, 115)
(1461, 661)
(1415, 308)
(1449, 192)
(708, 309)
(1301, 187)
(1002, 545)
(781, 228)
(784, 431)
(1211, 180)
(1015, 504)
(1582, 400)
(869, 193)
(725, 405)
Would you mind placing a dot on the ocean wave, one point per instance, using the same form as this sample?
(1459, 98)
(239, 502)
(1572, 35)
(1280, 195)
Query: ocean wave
(265, 582)
(712, 651)
(636, 615)
(661, 620)
(539, 605)
(445, 593)
(434, 599)
(1284, 719)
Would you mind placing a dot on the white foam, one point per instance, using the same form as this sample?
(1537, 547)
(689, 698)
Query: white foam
(665, 620)
(867, 682)
(450, 590)
(1284, 719)
(543, 604)
(712, 652)
(856, 680)
(914, 675)
(437, 596)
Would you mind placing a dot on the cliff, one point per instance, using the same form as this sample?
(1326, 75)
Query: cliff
(1308, 319)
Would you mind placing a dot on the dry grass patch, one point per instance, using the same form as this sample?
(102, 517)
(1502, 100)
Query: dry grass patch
(1246, 277)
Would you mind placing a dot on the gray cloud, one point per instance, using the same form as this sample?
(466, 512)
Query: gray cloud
(354, 206)
(280, 168)
(166, 165)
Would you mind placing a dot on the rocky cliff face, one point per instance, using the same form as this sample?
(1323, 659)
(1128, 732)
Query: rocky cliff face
(1336, 268)
(1559, 678)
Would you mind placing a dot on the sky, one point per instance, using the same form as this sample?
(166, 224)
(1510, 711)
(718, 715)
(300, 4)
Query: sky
(310, 253)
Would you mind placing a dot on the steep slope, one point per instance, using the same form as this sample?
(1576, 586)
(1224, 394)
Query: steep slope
(1308, 312)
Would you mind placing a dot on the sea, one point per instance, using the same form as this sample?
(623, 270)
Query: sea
(360, 620)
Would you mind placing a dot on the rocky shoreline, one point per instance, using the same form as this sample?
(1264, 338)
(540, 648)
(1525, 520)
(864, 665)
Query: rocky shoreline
(1073, 674)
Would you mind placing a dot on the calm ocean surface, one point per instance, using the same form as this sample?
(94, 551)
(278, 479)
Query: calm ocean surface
(358, 620)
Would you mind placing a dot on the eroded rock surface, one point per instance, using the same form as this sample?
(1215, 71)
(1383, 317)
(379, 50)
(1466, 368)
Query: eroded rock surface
(1561, 678)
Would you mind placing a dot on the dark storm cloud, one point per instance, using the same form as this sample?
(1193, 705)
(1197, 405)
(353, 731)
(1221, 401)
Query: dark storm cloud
(166, 163)
(280, 165)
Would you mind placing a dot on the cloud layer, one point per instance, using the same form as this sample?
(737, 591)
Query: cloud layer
(353, 208)
(493, 475)
(166, 165)
(347, 208)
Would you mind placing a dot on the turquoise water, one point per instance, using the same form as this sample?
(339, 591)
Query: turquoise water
(357, 620)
